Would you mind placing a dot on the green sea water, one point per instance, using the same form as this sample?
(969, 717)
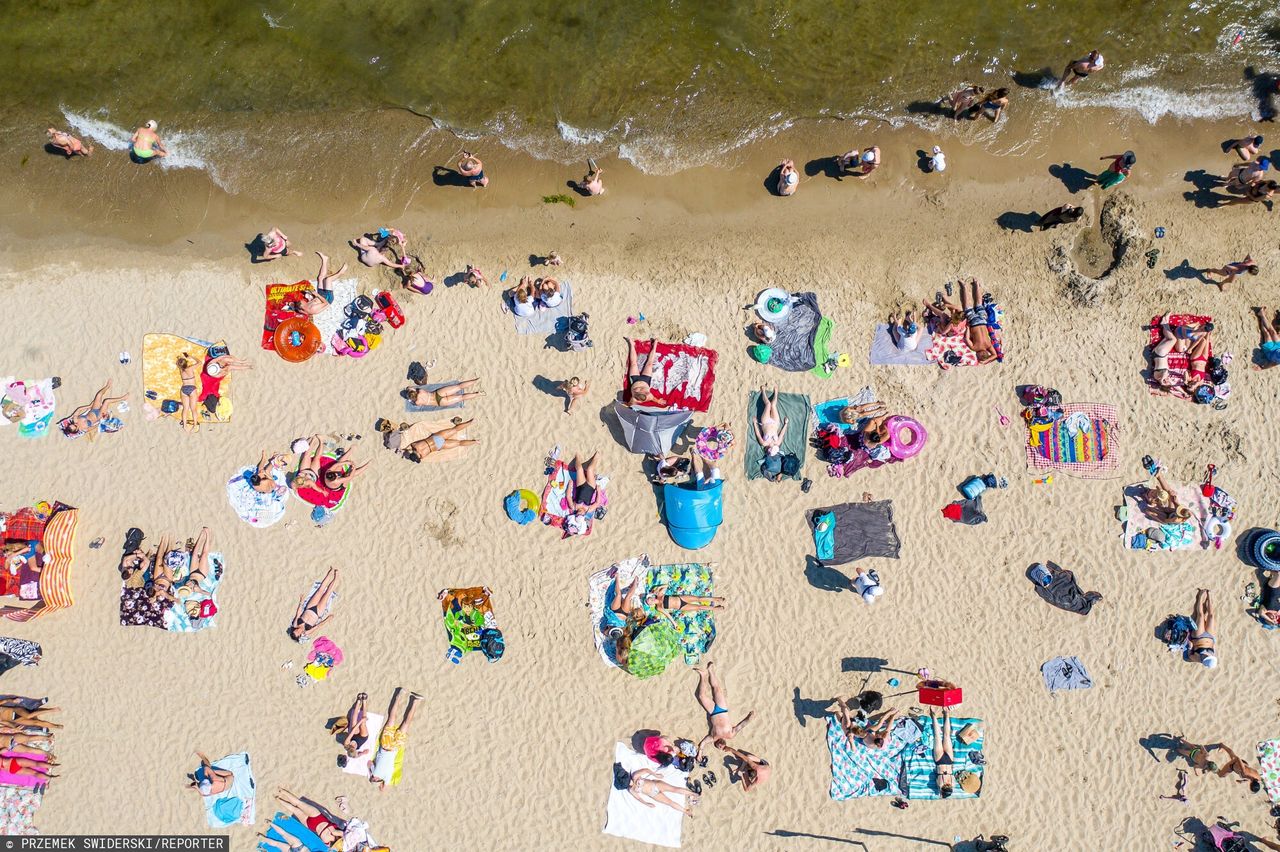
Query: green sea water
(664, 84)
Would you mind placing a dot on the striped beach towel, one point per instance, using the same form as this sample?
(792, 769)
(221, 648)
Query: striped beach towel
(1090, 453)
(858, 772)
(1178, 362)
(921, 767)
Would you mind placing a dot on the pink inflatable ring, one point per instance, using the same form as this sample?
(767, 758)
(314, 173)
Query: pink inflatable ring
(906, 437)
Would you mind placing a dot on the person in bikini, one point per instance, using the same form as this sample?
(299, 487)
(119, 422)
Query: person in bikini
(161, 585)
(1229, 272)
(648, 785)
(1197, 755)
(69, 145)
(713, 697)
(946, 318)
(658, 599)
(354, 728)
(1081, 68)
(943, 753)
(574, 390)
(339, 474)
(770, 429)
(317, 301)
(263, 479)
(94, 416)
(444, 397)
(306, 617)
(145, 144)
(751, 770)
(189, 372)
(317, 821)
(1160, 503)
(445, 439)
(964, 102)
(1238, 766)
(392, 739)
(874, 734)
(208, 779)
(1204, 646)
(290, 843)
(585, 496)
(199, 566)
(640, 379)
(1197, 342)
(17, 716)
(271, 245)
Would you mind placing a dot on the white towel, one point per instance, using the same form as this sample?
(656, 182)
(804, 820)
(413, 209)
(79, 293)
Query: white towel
(329, 320)
(598, 589)
(360, 765)
(626, 817)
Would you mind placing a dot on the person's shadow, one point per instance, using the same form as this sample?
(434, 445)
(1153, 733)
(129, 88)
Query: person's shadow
(1203, 194)
(825, 578)
(445, 176)
(928, 108)
(1184, 271)
(1011, 220)
(771, 182)
(1263, 86)
(50, 148)
(551, 388)
(922, 160)
(453, 279)
(1074, 178)
(578, 188)
(1040, 79)
(808, 708)
(826, 166)
(1165, 742)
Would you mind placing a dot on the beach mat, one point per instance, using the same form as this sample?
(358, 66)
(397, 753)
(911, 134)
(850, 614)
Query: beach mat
(921, 767)
(860, 530)
(545, 320)
(162, 381)
(281, 297)
(34, 399)
(1269, 763)
(254, 507)
(794, 345)
(626, 817)
(425, 429)
(1091, 453)
(457, 627)
(434, 386)
(822, 348)
(883, 350)
(359, 765)
(1185, 535)
(18, 807)
(790, 405)
(955, 343)
(683, 378)
(294, 826)
(52, 585)
(555, 498)
(221, 810)
(600, 594)
(696, 630)
(859, 772)
(1179, 363)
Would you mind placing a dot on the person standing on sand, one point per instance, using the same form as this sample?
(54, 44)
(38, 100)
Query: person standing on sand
(146, 144)
(788, 178)
(713, 697)
(68, 144)
(1246, 148)
(591, 183)
(1081, 68)
(472, 168)
(753, 771)
(1229, 272)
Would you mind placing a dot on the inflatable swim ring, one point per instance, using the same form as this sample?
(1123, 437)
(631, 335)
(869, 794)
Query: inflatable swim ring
(1216, 528)
(713, 442)
(320, 494)
(904, 447)
(296, 339)
(773, 305)
(355, 346)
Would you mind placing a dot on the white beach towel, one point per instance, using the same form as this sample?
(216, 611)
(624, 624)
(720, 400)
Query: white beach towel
(328, 322)
(884, 351)
(626, 817)
(598, 590)
(360, 765)
(544, 320)
(36, 399)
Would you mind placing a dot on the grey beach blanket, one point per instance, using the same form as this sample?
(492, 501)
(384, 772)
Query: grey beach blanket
(793, 349)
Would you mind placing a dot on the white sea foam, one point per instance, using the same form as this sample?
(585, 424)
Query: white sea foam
(577, 136)
(1155, 102)
(187, 149)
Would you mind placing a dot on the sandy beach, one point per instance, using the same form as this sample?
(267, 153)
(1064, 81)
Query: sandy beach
(517, 755)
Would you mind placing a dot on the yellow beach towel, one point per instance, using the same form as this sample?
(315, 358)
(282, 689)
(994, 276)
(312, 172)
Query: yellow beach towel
(162, 380)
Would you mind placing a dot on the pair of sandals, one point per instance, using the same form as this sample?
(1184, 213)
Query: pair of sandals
(695, 786)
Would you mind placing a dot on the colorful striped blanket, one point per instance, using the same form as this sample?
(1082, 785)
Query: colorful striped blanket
(1067, 444)
(921, 766)
(858, 772)
(1178, 362)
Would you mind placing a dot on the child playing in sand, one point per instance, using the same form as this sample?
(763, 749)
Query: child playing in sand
(574, 389)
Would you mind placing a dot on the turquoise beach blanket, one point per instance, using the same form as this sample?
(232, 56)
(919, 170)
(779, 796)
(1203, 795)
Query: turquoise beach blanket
(238, 804)
(856, 769)
(305, 836)
(792, 406)
(695, 630)
(176, 617)
(921, 766)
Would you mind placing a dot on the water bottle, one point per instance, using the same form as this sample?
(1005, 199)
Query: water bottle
(1040, 574)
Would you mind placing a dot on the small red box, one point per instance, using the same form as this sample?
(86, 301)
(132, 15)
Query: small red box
(940, 694)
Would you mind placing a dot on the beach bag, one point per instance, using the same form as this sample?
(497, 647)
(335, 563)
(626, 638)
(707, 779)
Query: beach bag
(790, 465)
(839, 455)
(1177, 631)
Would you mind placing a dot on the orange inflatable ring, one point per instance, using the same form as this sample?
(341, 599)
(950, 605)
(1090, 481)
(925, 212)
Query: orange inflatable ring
(297, 339)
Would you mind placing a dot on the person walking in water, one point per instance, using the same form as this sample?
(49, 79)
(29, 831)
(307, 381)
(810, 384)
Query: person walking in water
(146, 144)
(1081, 68)
(471, 168)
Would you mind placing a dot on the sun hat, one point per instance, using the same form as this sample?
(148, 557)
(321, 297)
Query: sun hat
(792, 178)
(970, 782)
(151, 124)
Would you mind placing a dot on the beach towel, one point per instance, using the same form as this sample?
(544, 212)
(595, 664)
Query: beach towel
(627, 817)
(237, 805)
(294, 826)
(1065, 673)
(860, 530)
(822, 349)
(1065, 593)
(17, 652)
(683, 378)
(464, 629)
(162, 381)
(695, 631)
(795, 348)
(282, 297)
(254, 507)
(1083, 442)
(555, 499)
(1179, 363)
(29, 403)
(921, 766)
(956, 345)
(198, 610)
(792, 406)
(828, 413)
(1269, 765)
(885, 351)
(600, 595)
(858, 771)
(13, 779)
(434, 386)
(359, 765)
(322, 659)
(18, 806)
(545, 320)
(1183, 535)
(54, 527)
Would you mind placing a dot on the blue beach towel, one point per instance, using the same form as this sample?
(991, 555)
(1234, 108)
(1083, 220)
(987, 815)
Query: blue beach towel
(824, 540)
(434, 386)
(236, 805)
(305, 836)
(858, 772)
(921, 766)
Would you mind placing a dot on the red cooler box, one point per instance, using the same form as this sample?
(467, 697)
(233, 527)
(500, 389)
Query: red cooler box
(940, 693)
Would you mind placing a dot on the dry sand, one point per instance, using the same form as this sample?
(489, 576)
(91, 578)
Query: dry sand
(516, 755)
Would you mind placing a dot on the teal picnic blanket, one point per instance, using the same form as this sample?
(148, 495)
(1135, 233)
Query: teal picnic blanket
(921, 766)
(192, 614)
(695, 630)
(238, 803)
(858, 772)
(790, 405)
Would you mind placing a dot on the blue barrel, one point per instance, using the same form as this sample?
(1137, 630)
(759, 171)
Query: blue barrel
(693, 516)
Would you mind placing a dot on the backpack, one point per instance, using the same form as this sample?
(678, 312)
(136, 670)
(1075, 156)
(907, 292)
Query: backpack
(790, 465)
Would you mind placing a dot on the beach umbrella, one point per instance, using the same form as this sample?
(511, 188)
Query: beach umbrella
(650, 432)
(652, 649)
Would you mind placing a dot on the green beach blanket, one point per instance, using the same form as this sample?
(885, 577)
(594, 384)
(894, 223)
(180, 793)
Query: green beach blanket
(822, 347)
(695, 631)
(790, 405)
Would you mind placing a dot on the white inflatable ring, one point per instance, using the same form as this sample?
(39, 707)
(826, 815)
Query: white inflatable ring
(770, 295)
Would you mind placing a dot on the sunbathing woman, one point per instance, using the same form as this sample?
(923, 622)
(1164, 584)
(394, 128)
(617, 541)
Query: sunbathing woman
(585, 496)
(1269, 348)
(208, 779)
(658, 599)
(647, 787)
(355, 733)
(315, 302)
(445, 439)
(371, 252)
(392, 739)
(770, 430)
(640, 379)
(623, 607)
(307, 616)
(199, 566)
(263, 478)
(161, 585)
(445, 397)
(69, 145)
(189, 372)
(978, 335)
(96, 415)
(20, 717)
(31, 768)
(339, 474)
(943, 753)
(317, 821)
(714, 698)
(290, 843)
(1204, 647)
